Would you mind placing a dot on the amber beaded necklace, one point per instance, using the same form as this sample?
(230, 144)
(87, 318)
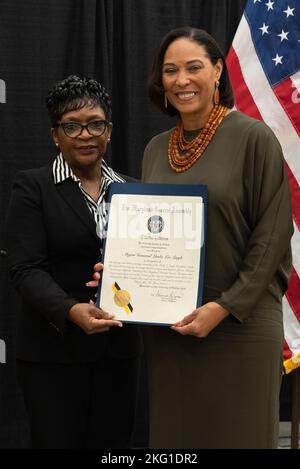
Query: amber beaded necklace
(180, 161)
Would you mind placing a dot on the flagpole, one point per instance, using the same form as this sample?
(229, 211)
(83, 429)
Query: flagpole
(295, 408)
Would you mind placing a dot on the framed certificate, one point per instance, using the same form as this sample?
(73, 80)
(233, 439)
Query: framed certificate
(153, 253)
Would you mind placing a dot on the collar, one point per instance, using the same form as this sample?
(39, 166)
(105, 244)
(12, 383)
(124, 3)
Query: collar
(62, 171)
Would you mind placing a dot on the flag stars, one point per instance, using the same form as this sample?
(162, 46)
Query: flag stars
(289, 11)
(269, 5)
(283, 35)
(278, 59)
(254, 1)
(264, 29)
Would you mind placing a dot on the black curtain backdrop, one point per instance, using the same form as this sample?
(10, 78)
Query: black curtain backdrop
(42, 42)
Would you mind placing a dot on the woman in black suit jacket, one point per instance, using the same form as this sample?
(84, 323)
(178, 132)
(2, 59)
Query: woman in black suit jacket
(77, 367)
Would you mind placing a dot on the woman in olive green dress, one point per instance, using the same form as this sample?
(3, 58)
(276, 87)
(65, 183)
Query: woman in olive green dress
(214, 377)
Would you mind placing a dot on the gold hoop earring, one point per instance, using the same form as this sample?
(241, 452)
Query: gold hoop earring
(217, 93)
(165, 100)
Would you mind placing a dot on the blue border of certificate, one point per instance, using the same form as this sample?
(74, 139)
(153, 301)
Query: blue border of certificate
(192, 190)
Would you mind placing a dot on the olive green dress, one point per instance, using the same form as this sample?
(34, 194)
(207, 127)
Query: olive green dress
(223, 391)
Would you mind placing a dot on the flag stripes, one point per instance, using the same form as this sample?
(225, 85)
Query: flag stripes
(279, 107)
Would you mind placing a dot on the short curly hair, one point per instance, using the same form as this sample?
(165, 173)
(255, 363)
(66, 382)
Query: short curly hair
(74, 93)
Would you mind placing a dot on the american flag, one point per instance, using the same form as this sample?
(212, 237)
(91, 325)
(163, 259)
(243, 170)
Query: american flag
(264, 67)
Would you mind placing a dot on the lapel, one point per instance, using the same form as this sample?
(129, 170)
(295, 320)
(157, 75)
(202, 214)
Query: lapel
(71, 193)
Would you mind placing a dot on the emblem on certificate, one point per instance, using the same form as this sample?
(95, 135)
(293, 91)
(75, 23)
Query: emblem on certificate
(153, 252)
(155, 224)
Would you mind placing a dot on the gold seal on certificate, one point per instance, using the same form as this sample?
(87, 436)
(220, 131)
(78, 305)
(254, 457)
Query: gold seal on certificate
(153, 252)
(122, 298)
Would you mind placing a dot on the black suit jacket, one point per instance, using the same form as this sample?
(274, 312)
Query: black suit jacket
(52, 248)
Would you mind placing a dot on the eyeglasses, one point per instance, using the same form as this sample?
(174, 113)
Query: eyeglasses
(74, 129)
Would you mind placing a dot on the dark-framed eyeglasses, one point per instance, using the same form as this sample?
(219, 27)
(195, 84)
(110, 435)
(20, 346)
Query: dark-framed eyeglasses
(74, 129)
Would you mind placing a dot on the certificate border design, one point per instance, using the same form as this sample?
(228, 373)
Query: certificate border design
(193, 190)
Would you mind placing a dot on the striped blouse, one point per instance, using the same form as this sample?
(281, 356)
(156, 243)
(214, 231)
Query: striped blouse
(62, 171)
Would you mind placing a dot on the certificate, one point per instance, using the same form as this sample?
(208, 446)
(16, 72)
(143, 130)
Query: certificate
(153, 252)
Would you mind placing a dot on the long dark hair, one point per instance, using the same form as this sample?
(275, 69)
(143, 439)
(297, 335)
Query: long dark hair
(214, 52)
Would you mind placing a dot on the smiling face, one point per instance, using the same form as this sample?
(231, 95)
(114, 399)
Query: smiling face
(84, 152)
(188, 78)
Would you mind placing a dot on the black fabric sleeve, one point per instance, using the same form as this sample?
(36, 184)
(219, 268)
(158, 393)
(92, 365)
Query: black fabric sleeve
(28, 253)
